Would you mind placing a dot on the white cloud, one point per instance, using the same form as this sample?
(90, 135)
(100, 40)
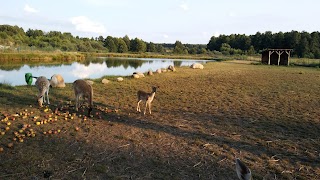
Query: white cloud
(84, 24)
(166, 36)
(216, 34)
(184, 6)
(231, 14)
(97, 2)
(107, 3)
(29, 9)
(82, 71)
(205, 33)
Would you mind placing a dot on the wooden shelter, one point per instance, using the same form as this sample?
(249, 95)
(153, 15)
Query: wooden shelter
(276, 57)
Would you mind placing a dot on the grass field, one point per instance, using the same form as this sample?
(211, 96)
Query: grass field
(14, 57)
(268, 116)
(305, 62)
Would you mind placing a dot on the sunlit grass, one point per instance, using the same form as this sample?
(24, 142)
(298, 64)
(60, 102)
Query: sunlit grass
(305, 62)
(41, 56)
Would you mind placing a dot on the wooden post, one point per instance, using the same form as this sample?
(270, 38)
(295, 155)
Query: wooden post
(279, 54)
(288, 52)
(270, 52)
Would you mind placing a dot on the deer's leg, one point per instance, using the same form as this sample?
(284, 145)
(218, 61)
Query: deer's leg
(138, 106)
(48, 96)
(149, 107)
(44, 99)
(145, 109)
(77, 102)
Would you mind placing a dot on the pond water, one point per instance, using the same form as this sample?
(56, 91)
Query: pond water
(13, 74)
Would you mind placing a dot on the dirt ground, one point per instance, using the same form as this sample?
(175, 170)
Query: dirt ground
(268, 116)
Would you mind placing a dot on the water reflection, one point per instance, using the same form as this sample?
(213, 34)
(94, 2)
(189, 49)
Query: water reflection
(91, 68)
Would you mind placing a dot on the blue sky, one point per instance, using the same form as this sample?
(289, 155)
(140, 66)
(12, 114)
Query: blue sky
(165, 21)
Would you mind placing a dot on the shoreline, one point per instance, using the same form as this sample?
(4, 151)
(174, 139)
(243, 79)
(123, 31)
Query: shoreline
(80, 56)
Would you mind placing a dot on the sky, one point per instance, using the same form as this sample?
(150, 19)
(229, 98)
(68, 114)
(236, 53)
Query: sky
(162, 21)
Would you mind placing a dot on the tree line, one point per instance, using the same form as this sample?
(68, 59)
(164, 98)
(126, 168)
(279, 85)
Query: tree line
(15, 36)
(304, 44)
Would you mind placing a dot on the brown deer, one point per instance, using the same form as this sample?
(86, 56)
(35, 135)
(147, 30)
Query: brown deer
(43, 85)
(83, 89)
(147, 97)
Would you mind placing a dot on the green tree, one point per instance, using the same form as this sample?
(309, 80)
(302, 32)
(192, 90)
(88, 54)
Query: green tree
(256, 41)
(67, 35)
(212, 45)
(303, 48)
(116, 43)
(160, 48)
(202, 51)
(34, 33)
(225, 49)
(216, 42)
(11, 30)
(292, 40)
(315, 44)
(151, 47)
(279, 40)
(192, 50)
(109, 44)
(122, 46)
(137, 45)
(100, 39)
(97, 45)
(251, 50)
(3, 35)
(179, 48)
(54, 34)
(267, 40)
(245, 42)
(127, 41)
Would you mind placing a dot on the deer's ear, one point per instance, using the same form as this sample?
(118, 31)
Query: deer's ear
(242, 170)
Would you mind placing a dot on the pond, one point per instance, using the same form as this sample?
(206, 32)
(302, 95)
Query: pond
(13, 74)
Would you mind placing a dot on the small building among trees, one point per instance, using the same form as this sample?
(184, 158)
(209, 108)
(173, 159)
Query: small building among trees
(276, 57)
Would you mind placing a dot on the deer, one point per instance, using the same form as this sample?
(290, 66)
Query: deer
(147, 97)
(242, 170)
(43, 85)
(82, 89)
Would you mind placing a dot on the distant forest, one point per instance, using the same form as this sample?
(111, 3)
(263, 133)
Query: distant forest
(304, 44)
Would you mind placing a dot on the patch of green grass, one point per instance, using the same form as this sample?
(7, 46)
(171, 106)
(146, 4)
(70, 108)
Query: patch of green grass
(40, 56)
(305, 62)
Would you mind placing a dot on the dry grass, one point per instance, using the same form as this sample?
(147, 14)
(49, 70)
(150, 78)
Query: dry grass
(266, 115)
